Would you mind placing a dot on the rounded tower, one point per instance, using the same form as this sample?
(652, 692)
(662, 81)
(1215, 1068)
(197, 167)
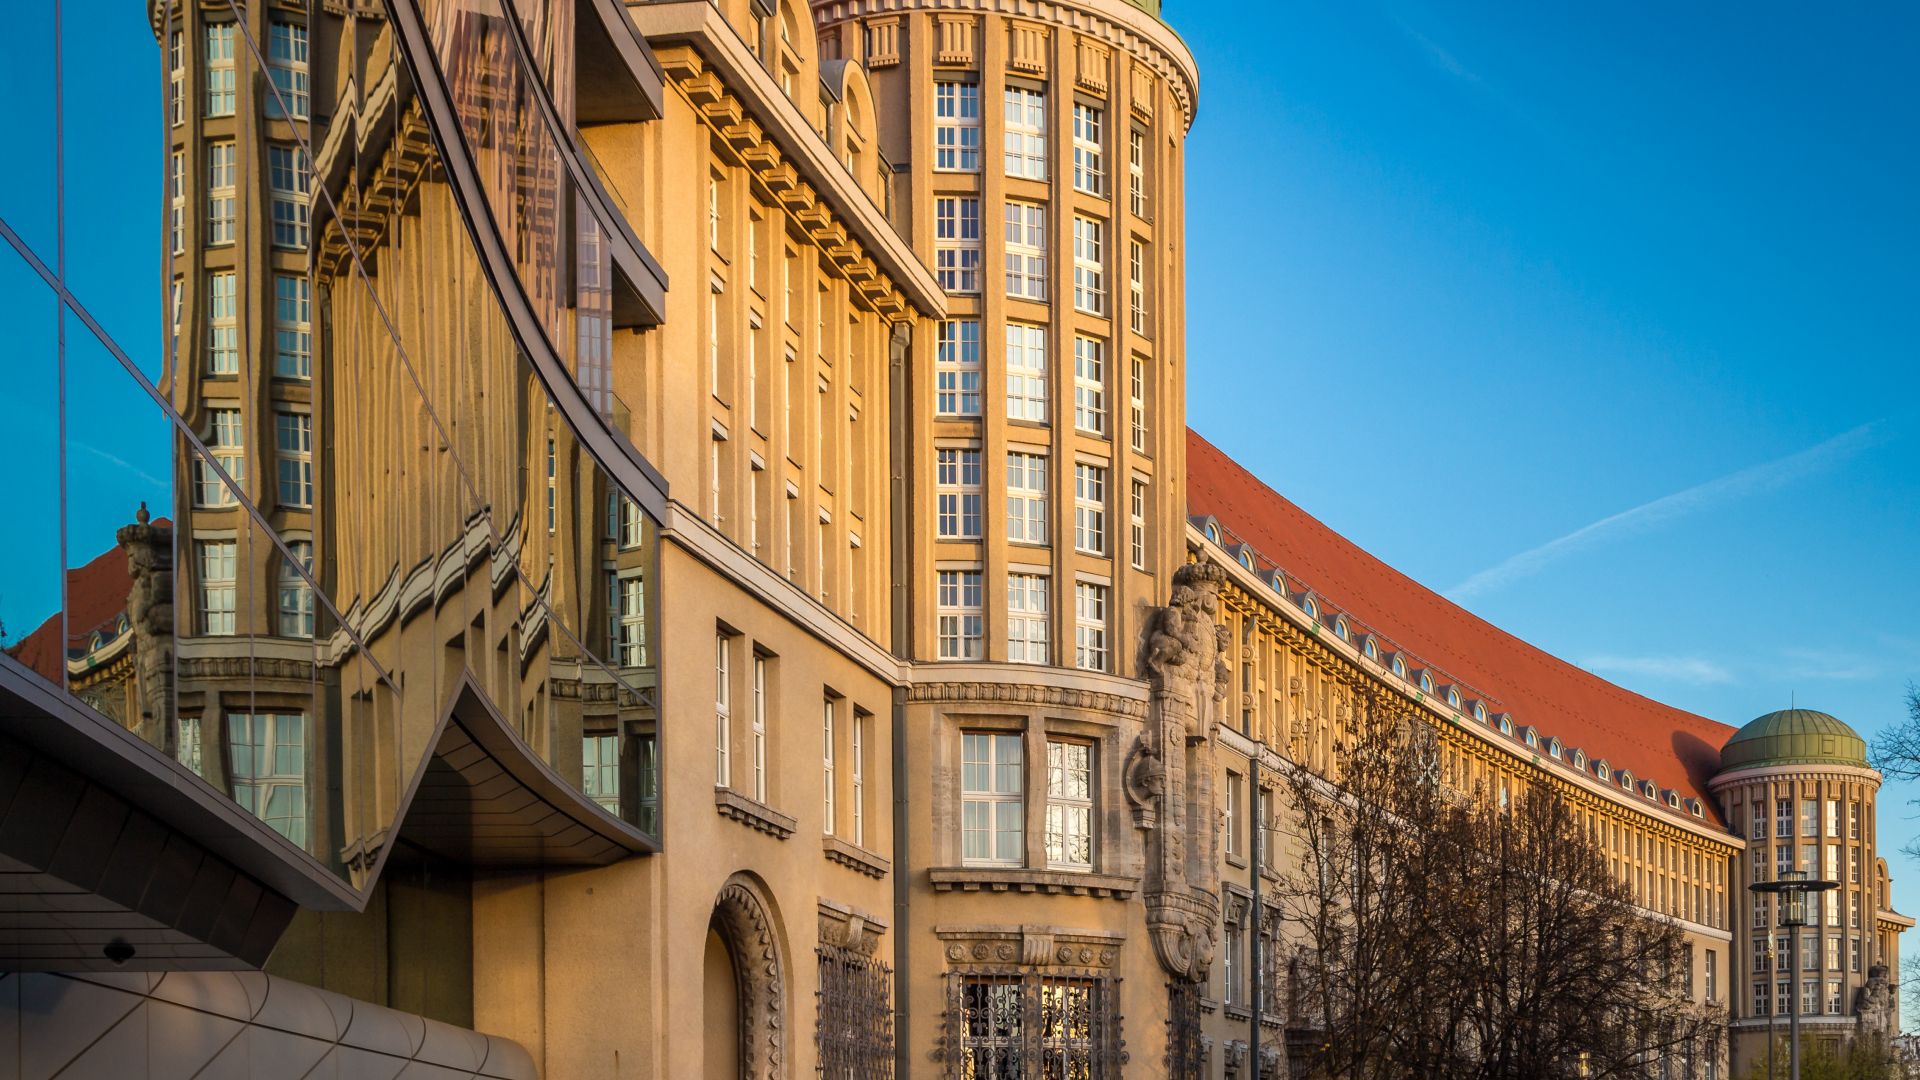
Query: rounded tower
(1797, 787)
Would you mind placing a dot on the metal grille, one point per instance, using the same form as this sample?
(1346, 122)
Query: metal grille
(1185, 1058)
(853, 1032)
(1025, 1026)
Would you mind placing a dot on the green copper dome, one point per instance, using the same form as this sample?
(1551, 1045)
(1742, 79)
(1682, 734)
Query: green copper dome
(1793, 737)
(1151, 7)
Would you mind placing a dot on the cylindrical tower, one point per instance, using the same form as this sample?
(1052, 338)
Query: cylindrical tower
(1797, 787)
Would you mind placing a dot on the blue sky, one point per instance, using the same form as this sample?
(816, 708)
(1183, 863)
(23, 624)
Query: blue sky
(1600, 319)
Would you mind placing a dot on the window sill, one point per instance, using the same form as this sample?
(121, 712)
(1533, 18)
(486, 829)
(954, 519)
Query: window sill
(856, 858)
(1239, 1012)
(1020, 879)
(753, 813)
(1236, 860)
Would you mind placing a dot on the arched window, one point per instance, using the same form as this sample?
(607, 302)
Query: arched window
(1279, 583)
(1246, 558)
(1309, 605)
(1505, 724)
(1453, 696)
(1480, 711)
(1426, 682)
(1370, 648)
(1213, 531)
(1601, 770)
(1340, 627)
(1399, 665)
(1580, 759)
(1553, 747)
(1626, 779)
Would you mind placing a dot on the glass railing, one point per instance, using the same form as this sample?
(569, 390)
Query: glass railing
(280, 534)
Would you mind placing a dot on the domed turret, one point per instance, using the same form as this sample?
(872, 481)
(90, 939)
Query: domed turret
(1793, 737)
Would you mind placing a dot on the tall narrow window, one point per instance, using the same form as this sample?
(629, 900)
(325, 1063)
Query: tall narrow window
(1137, 172)
(991, 829)
(630, 619)
(1026, 372)
(287, 177)
(957, 493)
(1137, 286)
(1089, 149)
(1230, 965)
(1027, 619)
(296, 596)
(287, 67)
(178, 302)
(189, 750)
(756, 226)
(553, 487)
(1069, 805)
(292, 327)
(722, 710)
(600, 769)
(226, 443)
(857, 735)
(1026, 238)
(293, 455)
(753, 370)
(713, 213)
(1090, 626)
(760, 728)
(1026, 141)
(1089, 266)
(1090, 509)
(268, 752)
(1137, 404)
(215, 559)
(956, 370)
(220, 192)
(714, 293)
(956, 127)
(1090, 385)
(1137, 524)
(1026, 498)
(956, 247)
(177, 82)
(177, 201)
(219, 69)
(827, 777)
(960, 615)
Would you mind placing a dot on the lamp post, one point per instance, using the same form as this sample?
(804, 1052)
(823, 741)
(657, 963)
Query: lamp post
(1793, 886)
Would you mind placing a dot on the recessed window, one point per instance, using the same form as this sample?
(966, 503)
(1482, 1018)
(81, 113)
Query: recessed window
(1309, 605)
(287, 67)
(1246, 558)
(1453, 696)
(1426, 682)
(1370, 648)
(1089, 149)
(1399, 665)
(1069, 805)
(1027, 621)
(295, 595)
(1089, 385)
(1026, 372)
(1212, 532)
(1480, 711)
(959, 615)
(957, 493)
(956, 369)
(288, 179)
(1090, 626)
(1601, 770)
(991, 830)
(1026, 498)
(1090, 509)
(1553, 747)
(956, 127)
(1026, 133)
(956, 246)
(1089, 265)
(1026, 251)
(268, 753)
(1340, 627)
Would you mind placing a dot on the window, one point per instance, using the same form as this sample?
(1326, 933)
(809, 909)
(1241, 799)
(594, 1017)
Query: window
(176, 96)
(956, 370)
(188, 749)
(293, 454)
(1090, 509)
(600, 769)
(713, 213)
(1026, 238)
(1783, 818)
(1027, 637)
(269, 769)
(714, 292)
(756, 226)
(1833, 818)
(296, 596)
(1809, 997)
(1233, 812)
(215, 561)
(1809, 817)
(1137, 172)
(827, 767)
(220, 69)
(630, 619)
(956, 248)
(1833, 997)
(287, 67)
(859, 737)
(1069, 805)
(1026, 372)
(1833, 953)
(177, 202)
(1853, 865)
(553, 487)
(1090, 385)
(1090, 626)
(760, 728)
(1137, 286)
(226, 443)
(957, 493)
(1089, 271)
(956, 127)
(1758, 826)
(1089, 153)
(722, 710)
(220, 192)
(991, 831)
(292, 328)
(959, 615)
(1026, 498)
(1026, 115)
(1713, 976)
(178, 299)
(1137, 524)
(1853, 954)
(1853, 821)
(287, 177)
(1760, 997)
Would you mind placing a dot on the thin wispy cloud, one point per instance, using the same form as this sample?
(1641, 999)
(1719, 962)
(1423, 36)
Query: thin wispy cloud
(1746, 483)
(1830, 665)
(1686, 669)
(120, 462)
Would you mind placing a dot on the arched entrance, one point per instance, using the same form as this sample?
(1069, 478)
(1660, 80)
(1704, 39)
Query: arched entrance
(745, 988)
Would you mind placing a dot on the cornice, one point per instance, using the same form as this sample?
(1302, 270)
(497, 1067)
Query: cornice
(1810, 771)
(1115, 22)
(1021, 684)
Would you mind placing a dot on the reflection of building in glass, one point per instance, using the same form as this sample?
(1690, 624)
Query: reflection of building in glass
(685, 555)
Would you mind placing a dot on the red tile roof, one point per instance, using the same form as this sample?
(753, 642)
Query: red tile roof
(96, 596)
(1670, 746)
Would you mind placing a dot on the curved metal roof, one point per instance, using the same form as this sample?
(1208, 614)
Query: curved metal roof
(1794, 737)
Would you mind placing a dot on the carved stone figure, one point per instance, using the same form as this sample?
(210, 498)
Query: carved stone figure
(1145, 781)
(1873, 1003)
(149, 549)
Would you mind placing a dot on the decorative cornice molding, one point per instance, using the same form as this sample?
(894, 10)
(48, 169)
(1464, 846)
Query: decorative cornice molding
(1058, 697)
(1030, 946)
(855, 858)
(1021, 879)
(753, 814)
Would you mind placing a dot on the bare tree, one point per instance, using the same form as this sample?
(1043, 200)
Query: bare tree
(1469, 934)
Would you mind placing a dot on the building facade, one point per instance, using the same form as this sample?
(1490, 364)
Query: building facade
(679, 548)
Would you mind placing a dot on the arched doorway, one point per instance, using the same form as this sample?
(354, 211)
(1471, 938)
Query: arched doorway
(744, 987)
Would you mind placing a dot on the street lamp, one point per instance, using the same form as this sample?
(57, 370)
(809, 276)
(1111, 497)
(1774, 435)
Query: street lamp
(1792, 888)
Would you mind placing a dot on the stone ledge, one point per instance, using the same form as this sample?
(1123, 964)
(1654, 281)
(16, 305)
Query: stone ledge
(1018, 879)
(753, 813)
(854, 857)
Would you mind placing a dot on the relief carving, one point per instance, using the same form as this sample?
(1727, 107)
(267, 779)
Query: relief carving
(744, 925)
(149, 549)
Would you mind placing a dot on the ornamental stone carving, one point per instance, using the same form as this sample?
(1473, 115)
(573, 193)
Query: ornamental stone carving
(1874, 1002)
(149, 549)
(743, 923)
(1169, 777)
